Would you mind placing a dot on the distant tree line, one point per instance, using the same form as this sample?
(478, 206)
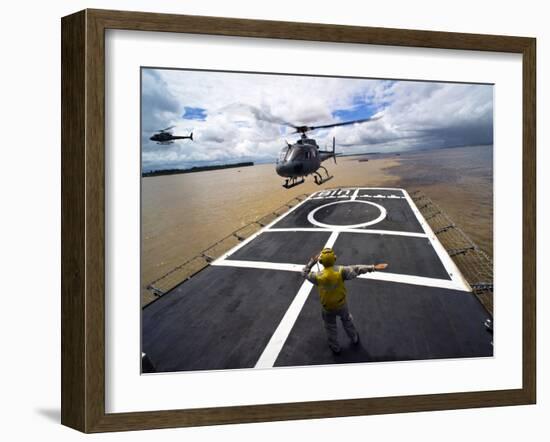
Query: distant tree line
(194, 169)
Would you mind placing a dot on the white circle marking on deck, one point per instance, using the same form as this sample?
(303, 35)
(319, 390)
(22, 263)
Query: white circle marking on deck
(312, 220)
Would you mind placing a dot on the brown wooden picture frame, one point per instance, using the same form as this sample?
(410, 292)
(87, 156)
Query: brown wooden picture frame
(83, 219)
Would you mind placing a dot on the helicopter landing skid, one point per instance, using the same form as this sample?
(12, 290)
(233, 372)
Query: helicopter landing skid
(289, 183)
(319, 178)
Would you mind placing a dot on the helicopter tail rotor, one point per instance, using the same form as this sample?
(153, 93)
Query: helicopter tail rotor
(191, 136)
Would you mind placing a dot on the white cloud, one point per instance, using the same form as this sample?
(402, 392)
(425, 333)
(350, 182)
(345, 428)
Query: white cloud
(416, 114)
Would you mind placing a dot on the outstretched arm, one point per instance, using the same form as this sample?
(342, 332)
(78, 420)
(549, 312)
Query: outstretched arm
(351, 272)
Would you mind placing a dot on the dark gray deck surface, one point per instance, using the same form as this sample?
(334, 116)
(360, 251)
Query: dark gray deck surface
(225, 316)
(221, 318)
(283, 247)
(401, 252)
(399, 215)
(395, 322)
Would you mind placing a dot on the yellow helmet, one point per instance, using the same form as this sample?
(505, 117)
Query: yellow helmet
(327, 257)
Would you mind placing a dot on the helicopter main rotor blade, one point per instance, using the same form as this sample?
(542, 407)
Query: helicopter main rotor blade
(344, 123)
(259, 114)
(263, 115)
(164, 130)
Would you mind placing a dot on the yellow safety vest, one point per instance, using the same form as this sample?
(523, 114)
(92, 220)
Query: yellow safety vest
(332, 290)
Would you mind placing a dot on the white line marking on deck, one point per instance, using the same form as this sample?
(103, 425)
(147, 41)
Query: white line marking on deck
(344, 193)
(412, 279)
(359, 196)
(345, 229)
(444, 257)
(259, 265)
(382, 196)
(330, 197)
(312, 220)
(379, 276)
(275, 345)
(332, 239)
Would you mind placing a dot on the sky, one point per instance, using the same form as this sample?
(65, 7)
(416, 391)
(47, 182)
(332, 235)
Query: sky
(238, 117)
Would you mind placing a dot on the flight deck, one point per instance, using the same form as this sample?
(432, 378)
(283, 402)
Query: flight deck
(251, 308)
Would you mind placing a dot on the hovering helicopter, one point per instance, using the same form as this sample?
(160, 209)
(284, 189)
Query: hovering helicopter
(303, 158)
(164, 136)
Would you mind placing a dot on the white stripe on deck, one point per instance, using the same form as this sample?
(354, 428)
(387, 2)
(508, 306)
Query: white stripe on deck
(332, 239)
(412, 279)
(390, 197)
(378, 276)
(259, 265)
(444, 257)
(275, 345)
(345, 229)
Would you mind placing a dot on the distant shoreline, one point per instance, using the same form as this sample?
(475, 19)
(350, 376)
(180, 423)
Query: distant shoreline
(194, 169)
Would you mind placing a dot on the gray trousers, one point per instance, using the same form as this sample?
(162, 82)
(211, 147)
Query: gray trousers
(329, 318)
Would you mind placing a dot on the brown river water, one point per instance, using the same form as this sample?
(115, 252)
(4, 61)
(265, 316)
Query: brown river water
(185, 214)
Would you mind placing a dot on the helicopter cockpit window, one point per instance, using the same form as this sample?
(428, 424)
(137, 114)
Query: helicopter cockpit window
(295, 154)
(283, 154)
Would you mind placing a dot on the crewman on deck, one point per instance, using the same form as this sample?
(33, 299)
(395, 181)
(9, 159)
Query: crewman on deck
(332, 293)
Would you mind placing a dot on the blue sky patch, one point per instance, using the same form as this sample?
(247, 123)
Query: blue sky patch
(194, 113)
(357, 112)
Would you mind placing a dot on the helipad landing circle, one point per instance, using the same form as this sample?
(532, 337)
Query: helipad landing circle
(312, 220)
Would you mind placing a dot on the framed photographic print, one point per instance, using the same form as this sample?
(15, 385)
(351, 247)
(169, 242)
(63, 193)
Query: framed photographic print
(271, 220)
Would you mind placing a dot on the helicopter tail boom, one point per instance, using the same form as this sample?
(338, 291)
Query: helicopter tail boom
(326, 154)
(186, 137)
